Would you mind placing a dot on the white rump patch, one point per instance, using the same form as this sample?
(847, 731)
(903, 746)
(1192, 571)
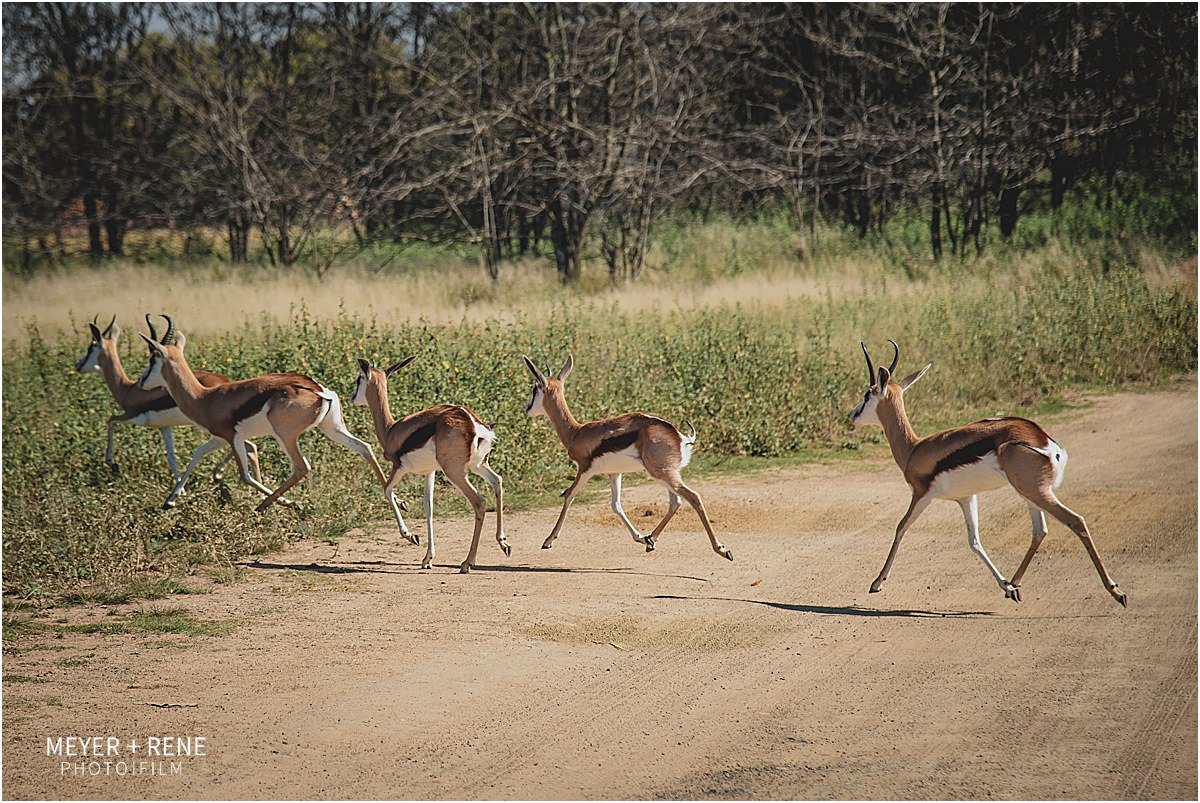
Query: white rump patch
(686, 445)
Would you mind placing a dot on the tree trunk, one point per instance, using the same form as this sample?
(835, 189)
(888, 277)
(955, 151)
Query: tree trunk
(1008, 212)
(95, 243)
(935, 226)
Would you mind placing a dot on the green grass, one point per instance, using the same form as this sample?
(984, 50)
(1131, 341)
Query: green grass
(764, 383)
(171, 620)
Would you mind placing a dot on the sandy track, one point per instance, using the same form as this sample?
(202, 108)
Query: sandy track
(596, 670)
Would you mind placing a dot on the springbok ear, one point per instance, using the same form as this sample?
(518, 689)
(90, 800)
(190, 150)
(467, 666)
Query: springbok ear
(397, 366)
(533, 369)
(884, 377)
(364, 366)
(96, 336)
(909, 380)
(566, 369)
(155, 346)
(180, 340)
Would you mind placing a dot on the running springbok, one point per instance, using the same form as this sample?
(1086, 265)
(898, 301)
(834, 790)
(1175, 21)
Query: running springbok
(448, 437)
(146, 408)
(282, 405)
(613, 446)
(962, 462)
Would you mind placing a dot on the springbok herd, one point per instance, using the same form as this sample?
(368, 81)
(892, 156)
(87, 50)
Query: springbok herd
(955, 464)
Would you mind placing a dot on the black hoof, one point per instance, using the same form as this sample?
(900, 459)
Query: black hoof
(506, 549)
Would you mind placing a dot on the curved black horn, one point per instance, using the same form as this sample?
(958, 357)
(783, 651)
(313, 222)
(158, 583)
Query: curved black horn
(166, 341)
(153, 331)
(108, 329)
(870, 365)
(895, 359)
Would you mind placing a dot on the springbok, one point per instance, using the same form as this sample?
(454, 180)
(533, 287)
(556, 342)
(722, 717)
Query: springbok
(962, 462)
(147, 408)
(613, 446)
(282, 405)
(448, 437)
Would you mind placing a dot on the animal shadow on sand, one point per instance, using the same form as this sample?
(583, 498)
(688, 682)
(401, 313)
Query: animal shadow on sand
(842, 610)
(387, 567)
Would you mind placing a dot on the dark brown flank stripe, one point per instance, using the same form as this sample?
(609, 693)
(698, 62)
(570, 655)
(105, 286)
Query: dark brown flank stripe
(614, 444)
(252, 406)
(163, 402)
(971, 453)
(417, 439)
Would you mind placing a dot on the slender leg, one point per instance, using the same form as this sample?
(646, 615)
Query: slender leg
(429, 548)
(493, 479)
(693, 499)
(970, 509)
(201, 450)
(168, 436)
(251, 454)
(1038, 520)
(569, 496)
(615, 480)
(1078, 526)
(459, 480)
(1031, 473)
(219, 471)
(918, 504)
(672, 507)
(388, 491)
(334, 427)
(300, 467)
(108, 450)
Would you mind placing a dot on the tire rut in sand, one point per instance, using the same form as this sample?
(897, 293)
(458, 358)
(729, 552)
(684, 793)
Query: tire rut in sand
(1162, 722)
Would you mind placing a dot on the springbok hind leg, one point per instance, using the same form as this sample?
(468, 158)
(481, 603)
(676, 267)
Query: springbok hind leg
(1031, 474)
(693, 499)
(300, 469)
(458, 478)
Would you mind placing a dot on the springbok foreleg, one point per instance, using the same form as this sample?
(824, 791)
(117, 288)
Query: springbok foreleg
(427, 562)
(251, 455)
(168, 436)
(389, 491)
(208, 446)
(918, 504)
(568, 498)
(334, 428)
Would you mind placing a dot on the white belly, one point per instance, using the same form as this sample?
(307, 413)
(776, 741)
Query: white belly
(256, 426)
(162, 418)
(420, 461)
(971, 479)
(622, 462)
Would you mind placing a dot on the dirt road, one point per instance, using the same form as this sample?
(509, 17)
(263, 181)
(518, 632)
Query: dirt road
(595, 670)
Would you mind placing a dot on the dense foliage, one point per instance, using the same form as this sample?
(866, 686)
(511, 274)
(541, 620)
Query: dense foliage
(570, 130)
